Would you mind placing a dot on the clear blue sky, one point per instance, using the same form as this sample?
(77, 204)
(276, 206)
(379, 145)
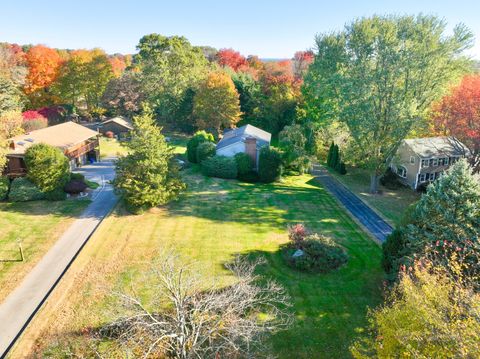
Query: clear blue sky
(268, 28)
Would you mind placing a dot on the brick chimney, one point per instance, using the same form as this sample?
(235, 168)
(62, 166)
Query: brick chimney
(12, 145)
(251, 149)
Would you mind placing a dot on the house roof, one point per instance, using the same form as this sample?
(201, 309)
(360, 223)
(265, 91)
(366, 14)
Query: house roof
(435, 146)
(63, 136)
(120, 121)
(242, 133)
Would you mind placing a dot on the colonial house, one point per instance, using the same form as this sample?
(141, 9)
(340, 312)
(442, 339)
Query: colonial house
(77, 142)
(422, 160)
(248, 139)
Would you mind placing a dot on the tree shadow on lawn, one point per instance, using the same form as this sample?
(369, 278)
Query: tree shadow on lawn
(329, 309)
(68, 208)
(267, 206)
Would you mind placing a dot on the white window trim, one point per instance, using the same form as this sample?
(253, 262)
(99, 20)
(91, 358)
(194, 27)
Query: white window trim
(435, 162)
(400, 170)
(446, 161)
(425, 160)
(431, 176)
(422, 178)
(412, 160)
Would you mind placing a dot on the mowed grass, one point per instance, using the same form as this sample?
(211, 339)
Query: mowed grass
(391, 204)
(111, 147)
(213, 222)
(36, 225)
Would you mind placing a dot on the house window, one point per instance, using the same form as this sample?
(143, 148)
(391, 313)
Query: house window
(425, 163)
(446, 161)
(402, 171)
(435, 162)
(432, 176)
(412, 159)
(440, 161)
(421, 177)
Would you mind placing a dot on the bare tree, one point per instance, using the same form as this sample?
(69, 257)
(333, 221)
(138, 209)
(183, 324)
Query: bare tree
(185, 320)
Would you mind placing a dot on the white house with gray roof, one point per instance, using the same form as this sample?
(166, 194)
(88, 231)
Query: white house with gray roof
(422, 160)
(248, 139)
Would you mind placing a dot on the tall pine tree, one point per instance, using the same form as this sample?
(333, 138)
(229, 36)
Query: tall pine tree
(147, 176)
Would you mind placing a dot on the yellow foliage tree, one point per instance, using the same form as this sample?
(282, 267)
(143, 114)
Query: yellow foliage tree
(216, 104)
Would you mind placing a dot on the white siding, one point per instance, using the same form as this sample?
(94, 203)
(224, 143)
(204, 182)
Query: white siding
(231, 150)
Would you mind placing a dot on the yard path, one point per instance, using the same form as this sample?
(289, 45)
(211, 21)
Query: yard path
(370, 220)
(21, 305)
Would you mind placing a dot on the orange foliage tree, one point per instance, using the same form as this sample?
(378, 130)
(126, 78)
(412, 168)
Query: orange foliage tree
(118, 65)
(43, 66)
(458, 114)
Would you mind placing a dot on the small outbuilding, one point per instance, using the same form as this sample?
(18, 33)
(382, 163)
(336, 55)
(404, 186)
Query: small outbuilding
(248, 139)
(119, 126)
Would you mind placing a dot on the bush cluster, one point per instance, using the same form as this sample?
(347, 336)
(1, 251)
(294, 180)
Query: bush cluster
(22, 190)
(205, 150)
(198, 138)
(4, 184)
(390, 180)
(319, 254)
(75, 186)
(220, 166)
(269, 165)
(244, 163)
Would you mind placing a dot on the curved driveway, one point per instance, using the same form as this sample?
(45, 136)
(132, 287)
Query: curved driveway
(21, 305)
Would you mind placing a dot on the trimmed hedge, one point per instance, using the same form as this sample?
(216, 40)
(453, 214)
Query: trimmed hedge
(4, 184)
(198, 137)
(205, 150)
(244, 163)
(249, 177)
(269, 164)
(22, 190)
(220, 166)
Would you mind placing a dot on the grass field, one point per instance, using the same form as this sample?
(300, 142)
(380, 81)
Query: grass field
(37, 225)
(111, 147)
(389, 203)
(214, 221)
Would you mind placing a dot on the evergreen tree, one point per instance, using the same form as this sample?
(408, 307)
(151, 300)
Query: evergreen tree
(444, 223)
(147, 176)
(335, 154)
(329, 156)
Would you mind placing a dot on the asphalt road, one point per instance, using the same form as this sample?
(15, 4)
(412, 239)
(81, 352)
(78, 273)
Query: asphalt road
(379, 228)
(21, 305)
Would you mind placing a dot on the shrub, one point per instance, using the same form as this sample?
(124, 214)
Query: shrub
(341, 168)
(75, 186)
(205, 150)
(390, 180)
(48, 168)
(244, 163)
(56, 195)
(297, 233)
(249, 177)
(22, 190)
(220, 166)
(198, 137)
(33, 120)
(4, 184)
(320, 255)
(109, 134)
(269, 164)
(77, 176)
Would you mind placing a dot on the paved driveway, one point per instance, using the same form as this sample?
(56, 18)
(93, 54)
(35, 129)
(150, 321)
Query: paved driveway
(379, 228)
(21, 305)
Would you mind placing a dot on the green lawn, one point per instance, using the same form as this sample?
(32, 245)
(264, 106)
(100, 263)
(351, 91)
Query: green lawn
(111, 147)
(214, 221)
(389, 203)
(37, 225)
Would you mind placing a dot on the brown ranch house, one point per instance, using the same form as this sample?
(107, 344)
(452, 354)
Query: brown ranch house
(422, 160)
(77, 142)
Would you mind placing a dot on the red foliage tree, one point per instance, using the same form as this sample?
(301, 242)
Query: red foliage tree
(231, 58)
(33, 120)
(43, 66)
(278, 73)
(301, 61)
(458, 114)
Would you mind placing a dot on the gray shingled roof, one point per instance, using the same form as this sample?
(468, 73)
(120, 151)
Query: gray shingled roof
(435, 146)
(241, 133)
